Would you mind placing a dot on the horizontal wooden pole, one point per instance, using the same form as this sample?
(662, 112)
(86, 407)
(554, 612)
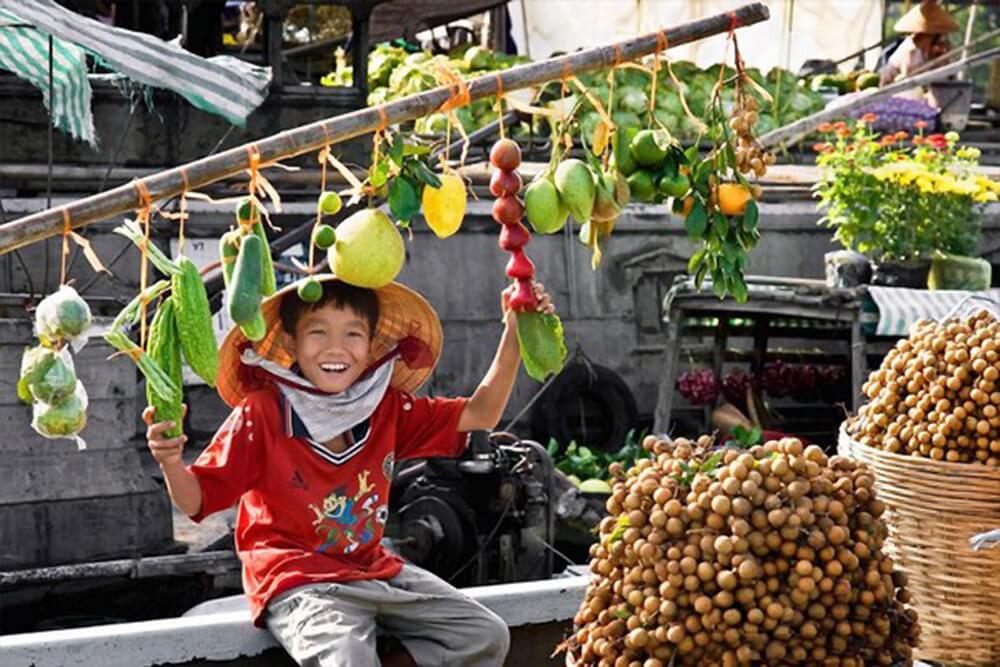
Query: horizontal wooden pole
(793, 132)
(312, 137)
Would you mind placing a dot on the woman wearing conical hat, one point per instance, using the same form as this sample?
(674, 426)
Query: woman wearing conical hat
(926, 27)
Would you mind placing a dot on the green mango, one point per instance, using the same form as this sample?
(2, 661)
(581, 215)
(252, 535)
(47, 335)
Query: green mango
(575, 184)
(542, 206)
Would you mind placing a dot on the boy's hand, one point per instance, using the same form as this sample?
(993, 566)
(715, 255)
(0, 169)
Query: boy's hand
(543, 298)
(166, 451)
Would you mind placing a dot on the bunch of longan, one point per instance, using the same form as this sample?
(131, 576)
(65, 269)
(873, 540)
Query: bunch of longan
(770, 555)
(937, 393)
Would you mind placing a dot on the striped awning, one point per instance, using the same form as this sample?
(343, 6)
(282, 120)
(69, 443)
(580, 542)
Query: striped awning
(223, 85)
(24, 51)
(899, 308)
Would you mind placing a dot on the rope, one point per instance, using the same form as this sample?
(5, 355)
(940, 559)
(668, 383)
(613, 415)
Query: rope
(67, 230)
(662, 44)
(183, 219)
(499, 107)
(323, 159)
(143, 215)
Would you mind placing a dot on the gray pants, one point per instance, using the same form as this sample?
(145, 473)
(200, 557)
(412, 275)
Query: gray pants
(335, 625)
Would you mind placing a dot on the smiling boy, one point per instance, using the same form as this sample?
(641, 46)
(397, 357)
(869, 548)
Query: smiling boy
(322, 410)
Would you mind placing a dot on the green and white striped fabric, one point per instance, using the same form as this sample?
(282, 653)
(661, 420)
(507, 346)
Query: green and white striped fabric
(899, 307)
(24, 52)
(224, 86)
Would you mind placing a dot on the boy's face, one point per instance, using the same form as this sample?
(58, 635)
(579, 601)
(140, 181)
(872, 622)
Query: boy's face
(331, 346)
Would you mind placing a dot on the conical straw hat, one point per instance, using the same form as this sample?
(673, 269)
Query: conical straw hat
(927, 17)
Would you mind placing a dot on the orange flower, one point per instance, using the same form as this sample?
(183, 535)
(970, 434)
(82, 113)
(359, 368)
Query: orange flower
(843, 132)
(869, 117)
(819, 148)
(901, 136)
(920, 124)
(840, 125)
(887, 139)
(826, 127)
(918, 140)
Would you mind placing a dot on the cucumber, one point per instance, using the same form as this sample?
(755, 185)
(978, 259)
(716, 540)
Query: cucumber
(256, 328)
(245, 293)
(268, 281)
(229, 249)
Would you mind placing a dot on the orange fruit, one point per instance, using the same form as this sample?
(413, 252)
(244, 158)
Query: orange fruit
(733, 198)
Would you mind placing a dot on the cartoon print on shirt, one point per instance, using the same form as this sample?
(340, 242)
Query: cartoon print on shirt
(346, 523)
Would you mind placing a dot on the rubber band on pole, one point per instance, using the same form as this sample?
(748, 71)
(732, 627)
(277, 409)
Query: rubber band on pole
(661, 45)
(67, 229)
(734, 22)
(459, 98)
(383, 119)
(566, 74)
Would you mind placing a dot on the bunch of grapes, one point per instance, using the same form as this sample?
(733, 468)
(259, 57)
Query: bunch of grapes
(735, 385)
(778, 379)
(699, 387)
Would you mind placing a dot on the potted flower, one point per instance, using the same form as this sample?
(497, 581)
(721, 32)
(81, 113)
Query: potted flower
(899, 200)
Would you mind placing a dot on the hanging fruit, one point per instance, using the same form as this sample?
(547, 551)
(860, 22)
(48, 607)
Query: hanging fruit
(540, 335)
(444, 207)
(368, 251)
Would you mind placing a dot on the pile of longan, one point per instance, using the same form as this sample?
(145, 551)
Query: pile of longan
(937, 393)
(770, 555)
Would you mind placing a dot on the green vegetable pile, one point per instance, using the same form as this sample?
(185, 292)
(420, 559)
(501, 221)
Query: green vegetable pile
(394, 72)
(584, 465)
(630, 102)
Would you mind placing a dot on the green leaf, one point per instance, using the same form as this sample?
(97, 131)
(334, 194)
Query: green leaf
(542, 342)
(738, 288)
(622, 614)
(696, 260)
(721, 224)
(691, 154)
(697, 221)
(719, 285)
(397, 148)
(378, 174)
(750, 216)
(404, 202)
(711, 463)
(422, 173)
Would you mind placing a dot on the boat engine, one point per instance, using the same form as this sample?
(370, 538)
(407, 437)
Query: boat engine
(483, 518)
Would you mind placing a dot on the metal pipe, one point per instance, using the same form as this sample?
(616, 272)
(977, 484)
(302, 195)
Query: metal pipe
(311, 137)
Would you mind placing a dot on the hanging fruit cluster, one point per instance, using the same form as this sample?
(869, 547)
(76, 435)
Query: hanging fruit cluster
(767, 555)
(47, 380)
(751, 157)
(540, 335)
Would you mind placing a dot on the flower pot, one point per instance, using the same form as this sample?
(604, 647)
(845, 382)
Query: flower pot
(901, 274)
(846, 268)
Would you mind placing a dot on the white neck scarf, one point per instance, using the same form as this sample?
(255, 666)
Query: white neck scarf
(324, 415)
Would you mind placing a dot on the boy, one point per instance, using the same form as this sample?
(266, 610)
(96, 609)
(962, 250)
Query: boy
(322, 411)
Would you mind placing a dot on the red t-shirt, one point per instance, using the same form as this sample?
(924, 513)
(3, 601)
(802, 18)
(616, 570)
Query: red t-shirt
(307, 514)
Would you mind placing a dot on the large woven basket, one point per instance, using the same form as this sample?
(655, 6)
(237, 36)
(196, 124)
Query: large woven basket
(933, 508)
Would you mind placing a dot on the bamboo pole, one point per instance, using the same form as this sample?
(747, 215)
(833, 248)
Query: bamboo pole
(312, 137)
(793, 132)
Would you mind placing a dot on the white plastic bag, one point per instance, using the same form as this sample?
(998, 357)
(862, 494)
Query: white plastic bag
(63, 315)
(65, 419)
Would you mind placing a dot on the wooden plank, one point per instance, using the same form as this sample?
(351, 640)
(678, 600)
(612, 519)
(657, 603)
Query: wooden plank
(87, 529)
(60, 472)
(311, 137)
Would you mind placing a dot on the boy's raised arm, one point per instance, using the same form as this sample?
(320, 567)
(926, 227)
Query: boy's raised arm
(182, 485)
(487, 405)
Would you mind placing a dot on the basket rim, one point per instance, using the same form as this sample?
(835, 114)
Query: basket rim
(949, 468)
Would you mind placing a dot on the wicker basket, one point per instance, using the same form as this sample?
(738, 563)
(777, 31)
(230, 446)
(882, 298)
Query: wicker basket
(933, 508)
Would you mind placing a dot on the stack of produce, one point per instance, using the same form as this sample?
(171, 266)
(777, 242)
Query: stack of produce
(937, 394)
(540, 335)
(767, 555)
(393, 72)
(630, 101)
(843, 83)
(47, 380)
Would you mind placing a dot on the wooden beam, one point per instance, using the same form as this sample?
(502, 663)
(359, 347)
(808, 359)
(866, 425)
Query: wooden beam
(312, 137)
(793, 132)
